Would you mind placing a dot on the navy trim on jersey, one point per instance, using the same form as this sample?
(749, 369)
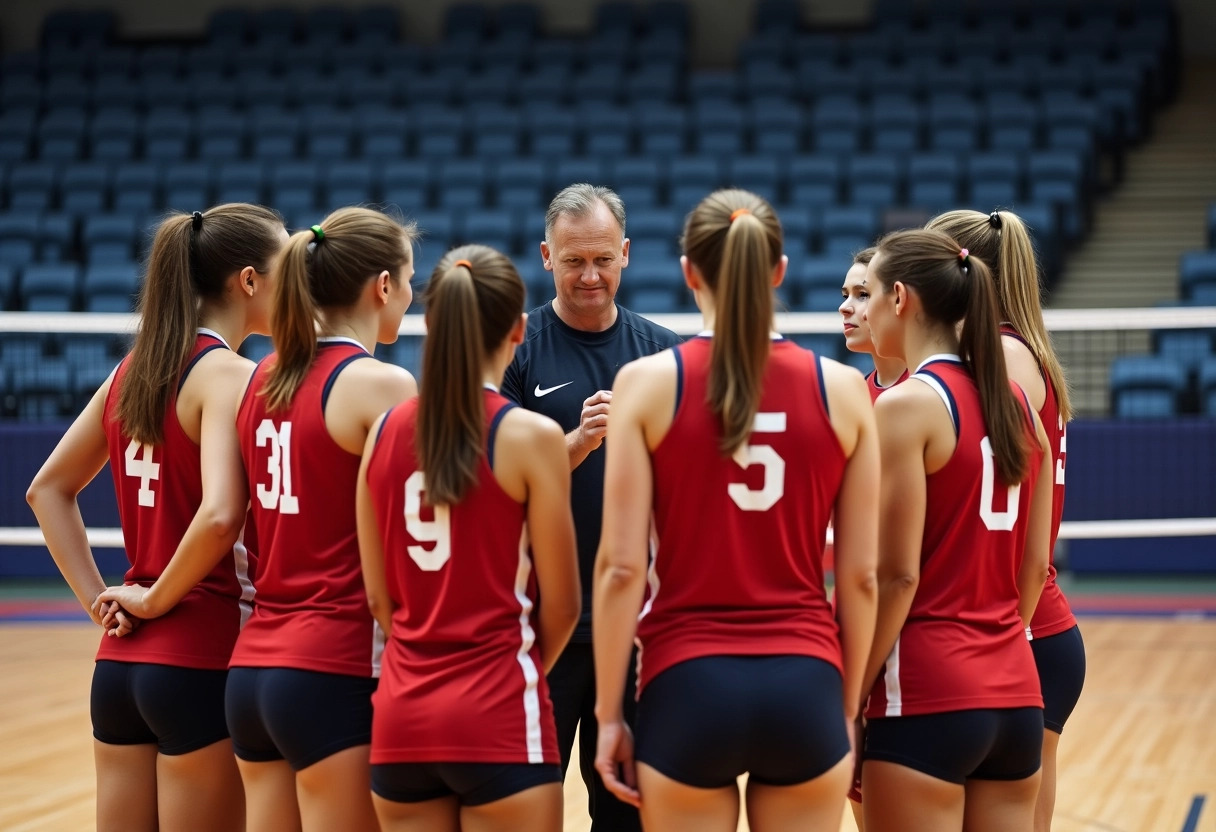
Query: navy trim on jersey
(823, 387)
(492, 433)
(383, 422)
(679, 378)
(333, 376)
(193, 361)
(1029, 408)
(949, 395)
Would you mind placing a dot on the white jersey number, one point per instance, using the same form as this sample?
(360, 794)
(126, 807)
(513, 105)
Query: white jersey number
(1063, 450)
(144, 468)
(774, 467)
(437, 531)
(278, 465)
(996, 521)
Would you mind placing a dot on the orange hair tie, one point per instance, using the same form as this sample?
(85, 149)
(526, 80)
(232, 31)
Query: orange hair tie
(738, 212)
(464, 263)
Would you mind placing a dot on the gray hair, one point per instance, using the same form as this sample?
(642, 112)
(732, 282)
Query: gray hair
(579, 200)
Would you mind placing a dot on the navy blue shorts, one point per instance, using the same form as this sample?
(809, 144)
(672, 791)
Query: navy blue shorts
(179, 709)
(1061, 663)
(957, 746)
(301, 716)
(705, 721)
(474, 784)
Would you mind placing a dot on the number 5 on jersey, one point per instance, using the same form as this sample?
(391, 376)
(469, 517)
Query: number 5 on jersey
(767, 496)
(278, 493)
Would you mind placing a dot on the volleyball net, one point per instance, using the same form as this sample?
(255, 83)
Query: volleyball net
(1141, 451)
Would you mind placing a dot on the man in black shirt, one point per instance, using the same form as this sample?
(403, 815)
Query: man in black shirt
(564, 369)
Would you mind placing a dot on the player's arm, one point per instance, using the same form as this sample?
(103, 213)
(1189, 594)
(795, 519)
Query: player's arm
(77, 458)
(220, 379)
(856, 523)
(1022, 367)
(902, 438)
(371, 547)
(1036, 558)
(534, 445)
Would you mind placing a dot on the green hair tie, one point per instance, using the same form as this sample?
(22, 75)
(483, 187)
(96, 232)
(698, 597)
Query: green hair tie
(318, 232)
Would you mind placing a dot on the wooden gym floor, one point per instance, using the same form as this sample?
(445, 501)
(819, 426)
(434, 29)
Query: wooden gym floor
(1139, 754)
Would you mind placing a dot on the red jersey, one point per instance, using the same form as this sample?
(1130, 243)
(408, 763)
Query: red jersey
(462, 678)
(963, 645)
(1052, 615)
(160, 489)
(311, 609)
(875, 390)
(738, 568)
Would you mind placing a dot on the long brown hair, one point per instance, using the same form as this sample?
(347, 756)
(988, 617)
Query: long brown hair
(734, 239)
(474, 298)
(191, 260)
(327, 270)
(951, 289)
(1002, 240)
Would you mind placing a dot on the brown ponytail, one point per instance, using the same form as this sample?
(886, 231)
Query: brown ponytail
(734, 239)
(327, 269)
(474, 298)
(190, 261)
(1002, 240)
(953, 288)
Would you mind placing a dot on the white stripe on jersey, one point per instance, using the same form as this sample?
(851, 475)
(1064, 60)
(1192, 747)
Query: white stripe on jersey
(652, 582)
(890, 681)
(941, 391)
(240, 556)
(378, 641)
(536, 752)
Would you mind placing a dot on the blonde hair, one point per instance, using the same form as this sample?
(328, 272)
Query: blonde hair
(734, 239)
(327, 271)
(474, 298)
(1002, 240)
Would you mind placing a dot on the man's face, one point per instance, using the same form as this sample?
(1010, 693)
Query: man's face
(586, 255)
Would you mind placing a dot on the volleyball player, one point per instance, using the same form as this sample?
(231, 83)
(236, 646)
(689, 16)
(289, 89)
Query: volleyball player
(887, 372)
(165, 422)
(469, 559)
(740, 444)
(305, 666)
(1001, 238)
(954, 721)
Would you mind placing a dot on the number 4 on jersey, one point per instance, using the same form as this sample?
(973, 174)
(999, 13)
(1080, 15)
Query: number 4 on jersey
(142, 466)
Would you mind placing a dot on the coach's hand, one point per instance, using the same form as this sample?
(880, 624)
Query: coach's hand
(592, 427)
(614, 762)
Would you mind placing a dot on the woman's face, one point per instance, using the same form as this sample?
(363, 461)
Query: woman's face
(856, 294)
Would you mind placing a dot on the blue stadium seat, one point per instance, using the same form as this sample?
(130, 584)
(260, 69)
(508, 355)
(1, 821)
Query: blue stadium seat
(1146, 387)
(167, 131)
(56, 237)
(759, 174)
(347, 183)
(188, 185)
(815, 180)
(569, 171)
(8, 287)
(240, 182)
(110, 238)
(1186, 346)
(136, 187)
(933, 181)
(16, 131)
(112, 134)
(111, 287)
(495, 229)
(376, 24)
(847, 230)
(776, 128)
(18, 238)
(44, 389)
(384, 134)
(1196, 268)
(31, 186)
(49, 288)
(659, 224)
(84, 188)
(874, 180)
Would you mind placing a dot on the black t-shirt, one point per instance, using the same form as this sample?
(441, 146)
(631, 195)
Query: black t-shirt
(555, 370)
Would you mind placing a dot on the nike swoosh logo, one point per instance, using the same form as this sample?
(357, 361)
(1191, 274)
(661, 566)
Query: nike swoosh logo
(539, 391)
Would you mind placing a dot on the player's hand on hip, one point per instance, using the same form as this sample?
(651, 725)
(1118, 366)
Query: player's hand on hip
(593, 422)
(614, 762)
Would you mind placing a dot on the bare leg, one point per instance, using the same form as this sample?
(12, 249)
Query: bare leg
(670, 806)
(201, 790)
(270, 796)
(126, 787)
(858, 815)
(538, 809)
(901, 799)
(1001, 805)
(1046, 805)
(336, 793)
(440, 815)
(814, 805)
